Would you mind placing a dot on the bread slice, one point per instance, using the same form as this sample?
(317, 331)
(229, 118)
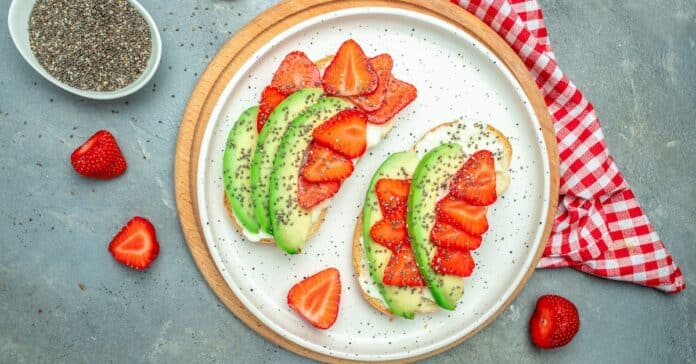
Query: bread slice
(359, 258)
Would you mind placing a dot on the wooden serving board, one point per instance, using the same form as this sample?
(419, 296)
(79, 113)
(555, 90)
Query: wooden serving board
(247, 41)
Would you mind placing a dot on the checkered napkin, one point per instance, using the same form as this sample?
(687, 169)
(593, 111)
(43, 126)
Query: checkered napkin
(599, 227)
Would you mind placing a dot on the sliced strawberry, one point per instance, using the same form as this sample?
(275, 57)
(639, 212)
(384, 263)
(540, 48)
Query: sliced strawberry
(475, 181)
(310, 194)
(136, 244)
(399, 94)
(383, 66)
(99, 157)
(402, 270)
(390, 233)
(270, 98)
(392, 195)
(317, 298)
(345, 133)
(554, 323)
(350, 72)
(295, 72)
(464, 216)
(453, 261)
(448, 236)
(325, 165)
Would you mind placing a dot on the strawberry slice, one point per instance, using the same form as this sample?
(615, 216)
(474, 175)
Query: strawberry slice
(345, 133)
(325, 165)
(392, 195)
(399, 94)
(554, 323)
(136, 244)
(475, 181)
(390, 233)
(270, 98)
(295, 72)
(383, 65)
(99, 157)
(350, 72)
(448, 236)
(464, 216)
(317, 298)
(453, 261)
(402, 270)
(310, 194)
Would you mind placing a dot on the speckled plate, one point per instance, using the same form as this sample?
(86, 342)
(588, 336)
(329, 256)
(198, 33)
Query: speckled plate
(456, 76)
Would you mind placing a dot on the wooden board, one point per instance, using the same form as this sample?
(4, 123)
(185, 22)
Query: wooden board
(238, 49)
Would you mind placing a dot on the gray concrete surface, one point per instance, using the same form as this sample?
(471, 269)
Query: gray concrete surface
(62, 298)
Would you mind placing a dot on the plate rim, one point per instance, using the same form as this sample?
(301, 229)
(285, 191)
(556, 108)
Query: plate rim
(251, 39)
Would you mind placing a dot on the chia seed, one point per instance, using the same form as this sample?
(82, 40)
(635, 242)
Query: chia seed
(97, 45)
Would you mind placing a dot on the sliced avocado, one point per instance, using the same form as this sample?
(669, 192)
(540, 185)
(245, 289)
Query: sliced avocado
(402, 301)
(430, 178)
(236, 168)
(267, 146)
(291, 223)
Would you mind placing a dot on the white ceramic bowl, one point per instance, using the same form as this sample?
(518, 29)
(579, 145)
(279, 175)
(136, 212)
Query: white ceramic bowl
(18, 22)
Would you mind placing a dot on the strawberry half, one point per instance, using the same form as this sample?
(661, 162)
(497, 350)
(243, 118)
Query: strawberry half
(475, 181)
(99, 157)
(399, 94)
(270, 98)
(317, 298)
(392, 195)
(325, 165)
(390, 233)
(383, 65)
(310, 194)
(350, 72)
(402, 270)
(295, 72)
(136, 244)
(554, 322)
(453, 261)
(464, 216)
(448, 236)
(345, 133)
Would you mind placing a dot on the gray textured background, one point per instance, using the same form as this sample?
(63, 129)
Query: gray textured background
(63, 299)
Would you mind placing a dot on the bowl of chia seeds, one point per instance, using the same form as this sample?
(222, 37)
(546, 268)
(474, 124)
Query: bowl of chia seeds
(98, 49)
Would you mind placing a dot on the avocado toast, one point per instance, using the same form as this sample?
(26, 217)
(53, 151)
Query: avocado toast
(424, 211)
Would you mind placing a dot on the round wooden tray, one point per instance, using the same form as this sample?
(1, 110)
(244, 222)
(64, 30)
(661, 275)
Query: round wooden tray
(237, 50)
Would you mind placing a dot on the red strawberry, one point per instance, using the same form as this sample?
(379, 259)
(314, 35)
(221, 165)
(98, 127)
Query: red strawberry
(100, 157)
(350, 72)
(136, 244)
(453, 261)
(383, 66)
(316, 298)
(399, 95)
(402, 270)
(469, 218)
(345, 133)
(475, 181)
(310, 194)
(390, 233)
(554, 322)
(270, 98)
(296, 71)
(325, 165)
(448, 236)
(392, 195)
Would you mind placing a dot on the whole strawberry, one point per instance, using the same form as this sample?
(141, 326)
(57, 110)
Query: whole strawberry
(554, 322)
(100, 157)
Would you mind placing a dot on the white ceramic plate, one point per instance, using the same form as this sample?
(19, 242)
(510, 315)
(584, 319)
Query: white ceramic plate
(456, 76)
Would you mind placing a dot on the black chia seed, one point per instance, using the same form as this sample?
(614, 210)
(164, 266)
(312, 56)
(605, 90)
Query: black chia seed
(97, 45)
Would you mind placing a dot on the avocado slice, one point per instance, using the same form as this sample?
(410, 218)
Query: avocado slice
(267, 146)
(291, 223)
(236, 168)
(402, 301)
(430, 178)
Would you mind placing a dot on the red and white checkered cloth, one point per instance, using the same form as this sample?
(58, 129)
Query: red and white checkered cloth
(599, 227)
